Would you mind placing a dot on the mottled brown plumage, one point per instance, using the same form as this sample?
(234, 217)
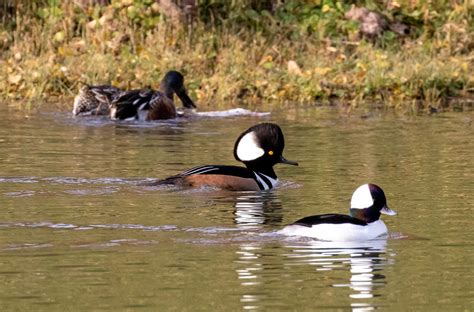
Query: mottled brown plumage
(94, 100)
(144, 104)
(149, 104)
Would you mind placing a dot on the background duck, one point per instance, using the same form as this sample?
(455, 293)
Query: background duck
(94, 100)
(260, 148)
(363, 223)
(147, 104)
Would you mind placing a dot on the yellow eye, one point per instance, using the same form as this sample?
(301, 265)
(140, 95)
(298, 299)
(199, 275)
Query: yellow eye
(270, 152)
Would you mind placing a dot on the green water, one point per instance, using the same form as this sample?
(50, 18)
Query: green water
(78, 233)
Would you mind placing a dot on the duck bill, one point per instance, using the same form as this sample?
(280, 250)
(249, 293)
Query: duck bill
(388, 211)
(283, 160)
(187, 102)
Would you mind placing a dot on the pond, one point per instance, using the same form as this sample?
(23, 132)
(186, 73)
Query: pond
(78, 232)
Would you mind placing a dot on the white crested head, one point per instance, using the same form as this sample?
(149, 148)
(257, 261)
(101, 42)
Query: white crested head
(362, 197)
(248, 148)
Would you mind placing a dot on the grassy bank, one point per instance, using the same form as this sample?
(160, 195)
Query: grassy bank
(242, 53)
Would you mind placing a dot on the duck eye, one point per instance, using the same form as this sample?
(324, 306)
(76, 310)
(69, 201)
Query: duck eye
(270, 152)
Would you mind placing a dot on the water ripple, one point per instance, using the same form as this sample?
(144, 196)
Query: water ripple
(20, 194)
(46, 224)
(18, 180)
(73, 180)
(87, 192)
(27, 246)
(233, 113)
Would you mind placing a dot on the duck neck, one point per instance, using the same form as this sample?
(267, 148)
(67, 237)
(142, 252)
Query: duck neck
(166, 90)
(261, 168)
(367, 214)
(264, 175)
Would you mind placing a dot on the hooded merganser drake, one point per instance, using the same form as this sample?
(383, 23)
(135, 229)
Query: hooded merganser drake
(260, 148)
(363, 223)
(94, 100)
(147, 104)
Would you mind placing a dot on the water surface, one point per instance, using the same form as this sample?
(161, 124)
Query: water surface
(77, 231)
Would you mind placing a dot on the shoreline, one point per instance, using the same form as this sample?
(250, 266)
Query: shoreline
(48, 57)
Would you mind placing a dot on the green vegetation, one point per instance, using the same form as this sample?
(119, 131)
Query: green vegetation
(241, 52)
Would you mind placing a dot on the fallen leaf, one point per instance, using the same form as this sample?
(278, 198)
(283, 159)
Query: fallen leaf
(294, 68)
(14, 79)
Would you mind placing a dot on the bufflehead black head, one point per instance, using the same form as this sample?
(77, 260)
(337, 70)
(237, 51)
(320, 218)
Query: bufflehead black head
(173, 82)
(368, 202)
(261, 146)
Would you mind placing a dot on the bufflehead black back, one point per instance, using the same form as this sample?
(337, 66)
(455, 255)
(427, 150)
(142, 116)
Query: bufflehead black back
(363, 223)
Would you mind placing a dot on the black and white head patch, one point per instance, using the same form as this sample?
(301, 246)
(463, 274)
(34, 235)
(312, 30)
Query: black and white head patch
(248, 148)
(362, 198)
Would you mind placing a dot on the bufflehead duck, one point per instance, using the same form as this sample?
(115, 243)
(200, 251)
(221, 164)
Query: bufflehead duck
(94, 100)
(147, 104)
(363, 223)
(260, 148)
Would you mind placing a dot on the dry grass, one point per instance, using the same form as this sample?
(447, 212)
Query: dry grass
(50, 56)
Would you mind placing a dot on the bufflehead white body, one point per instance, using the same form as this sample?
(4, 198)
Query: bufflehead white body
(363, 223)
(337, 232)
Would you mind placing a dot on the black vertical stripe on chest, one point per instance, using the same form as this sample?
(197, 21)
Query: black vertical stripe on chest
(260, 185)
(263, 181)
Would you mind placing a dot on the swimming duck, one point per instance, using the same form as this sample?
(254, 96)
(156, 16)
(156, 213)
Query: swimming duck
(260, 148)
(363, 223)
(147, 104)
(94, 100)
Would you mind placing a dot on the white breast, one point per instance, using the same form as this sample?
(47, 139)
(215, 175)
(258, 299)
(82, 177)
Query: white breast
(272, 182)
(338, 232)
(142, 115)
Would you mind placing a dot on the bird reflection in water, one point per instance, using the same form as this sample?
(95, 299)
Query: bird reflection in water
(261, 266)
(365, 261)
(252, 210)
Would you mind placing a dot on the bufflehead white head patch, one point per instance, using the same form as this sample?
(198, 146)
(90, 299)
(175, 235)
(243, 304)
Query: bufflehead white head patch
(248, 148)
(362, 197)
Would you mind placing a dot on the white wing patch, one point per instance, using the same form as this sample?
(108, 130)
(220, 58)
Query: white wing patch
(338, 232)
(362, 198)
(248, 148)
